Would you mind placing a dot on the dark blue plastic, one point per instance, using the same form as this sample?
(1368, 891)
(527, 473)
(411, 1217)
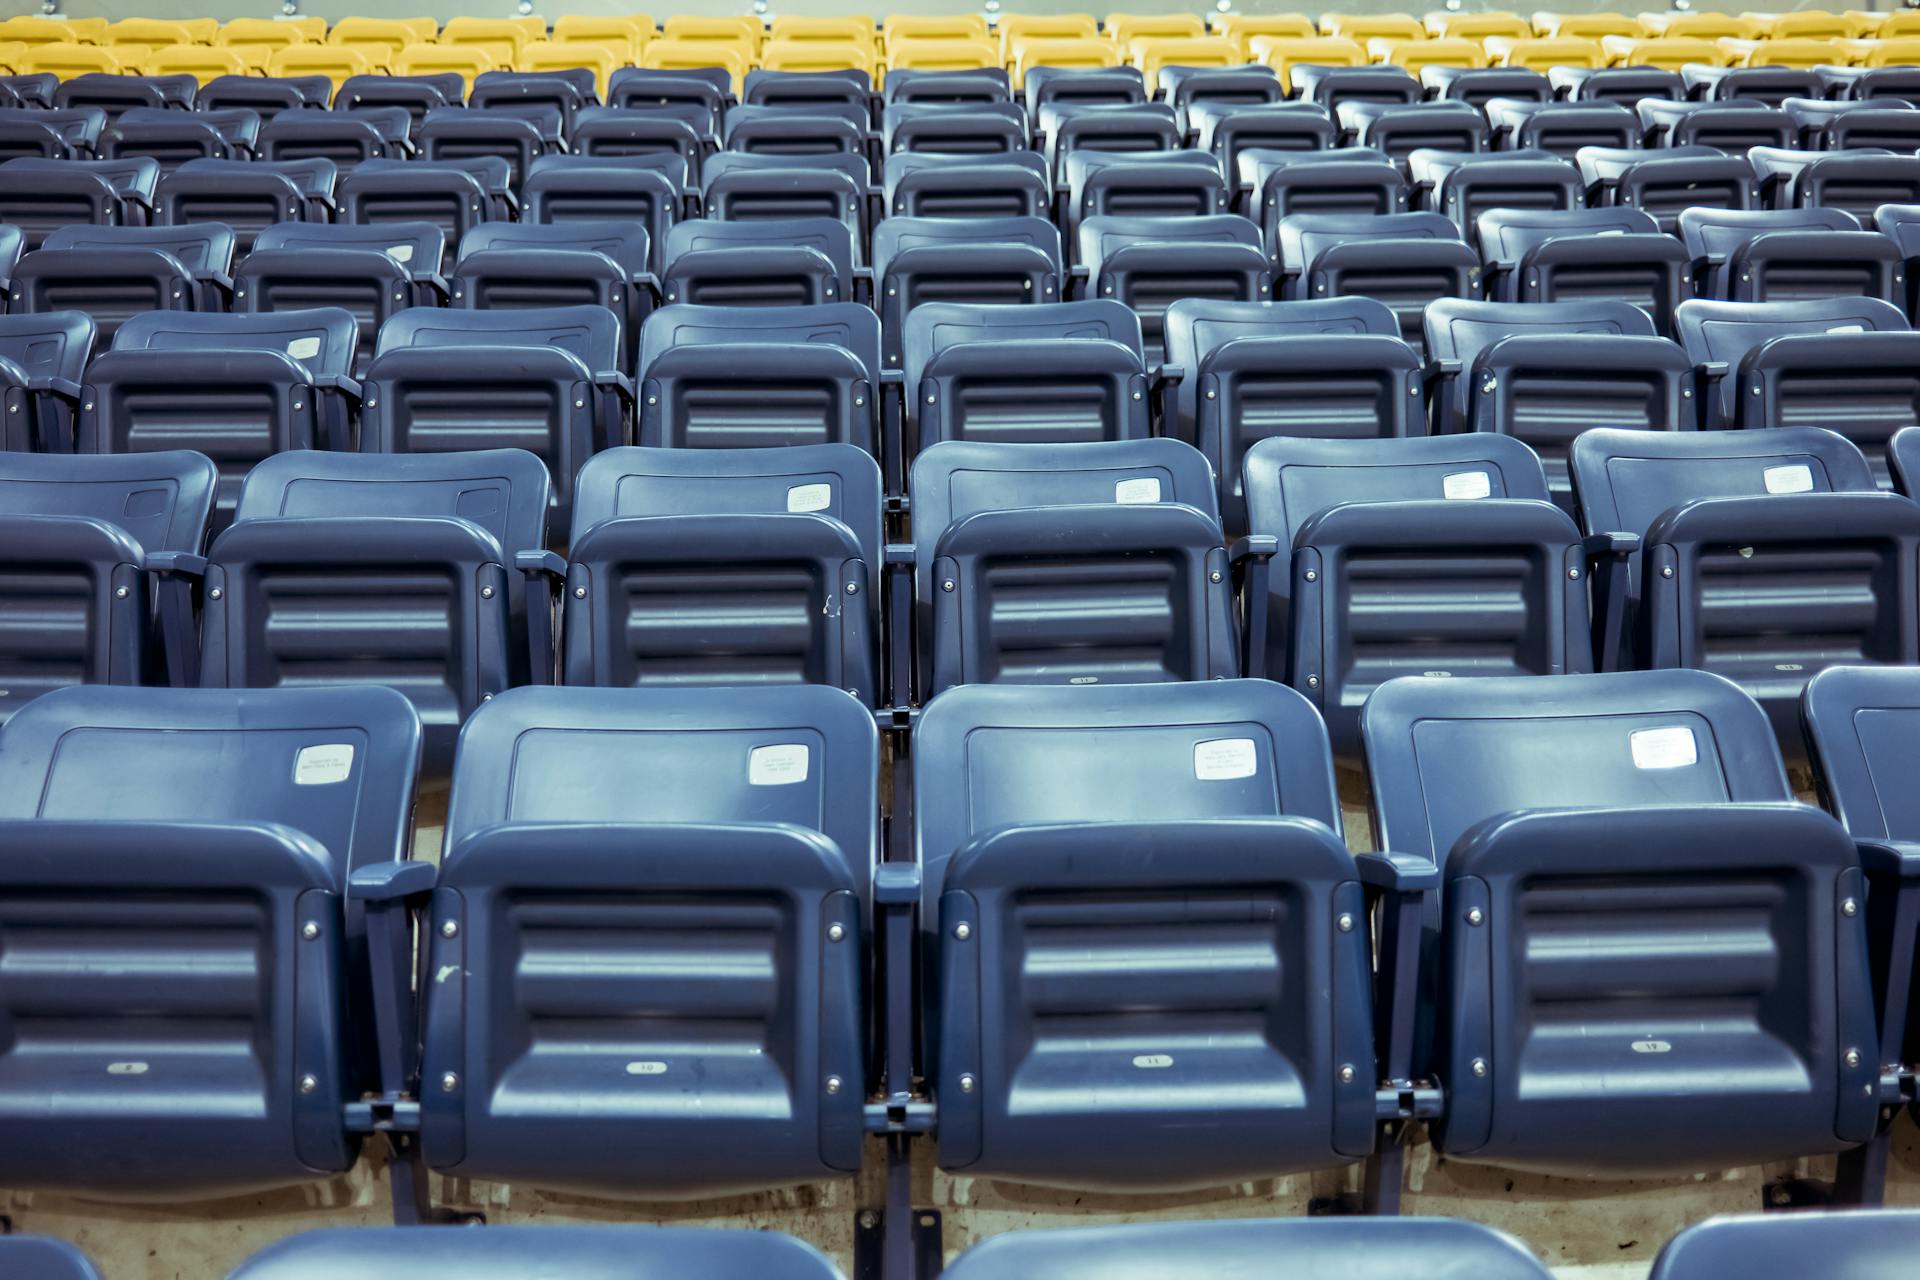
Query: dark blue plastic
(765, 262)
(1847, 1246)
(44, 1258)
(1150, 262)
(506, 1253)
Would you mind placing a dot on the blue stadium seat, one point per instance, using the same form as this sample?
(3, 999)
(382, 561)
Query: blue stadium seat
(70, 134)
(765, 262)
(503, 1253)
(1333, 86)
(1481, 85)
(205, 248)
(1150, 262)
(612, 133)
(548, 100)
(1310, 1249)
(1858, 180)
(1090, 86)
(1047, 373)
(457, 133)
(1152, 822)
(172, 138)
(265, 96)
(1012, 184)
(976, 129)
(1828, 124)
(236, 861)
(1167, 184)
(726, 566)
(372, 272)
(347, 138)
(417, 94)
(451, 198)
(1787, 255)
(742, 187)
(753, 377)
(650, 189)
(248, 196)
(1579, 1033)
(1190, 87)
(1401, 128)
(1402, 259)
(117, 93)
(40, 196)
(970, 87)
(110, 285)
(1464, 184)
(1562, 128)
(972, 260)
(545, 379)
(702, 93)
(44, 1258)
(1332, 369)
(511, 265)
(1584, 255)
(809, 92)
(1226, 129)
(1863, 1245)
(42, 359)
(1073, 126)
(1459, 330)
(1769, 85)
(1667, 181)
(1399, 551)
(1624, 85)
(1730, 125)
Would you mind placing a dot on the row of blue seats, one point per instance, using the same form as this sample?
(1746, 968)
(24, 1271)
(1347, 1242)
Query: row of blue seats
(1877, 1246)
(662, 955)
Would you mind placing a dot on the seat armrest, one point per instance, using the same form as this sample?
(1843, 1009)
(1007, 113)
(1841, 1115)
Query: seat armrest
(1249, 559)
(1398, 872)
(1397, 886)
(183, 564)
(390, 881)
(544, 571)
(1597, 545)
(898, 568)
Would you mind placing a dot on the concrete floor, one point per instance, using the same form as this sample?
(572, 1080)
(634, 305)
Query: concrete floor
(1588, 1231)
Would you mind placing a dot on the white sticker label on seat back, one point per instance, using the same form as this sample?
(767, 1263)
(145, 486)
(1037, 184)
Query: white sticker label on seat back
(400, 253)
(304, 348)
(1848, 328)
(1140, 489)
(1672, 747)
(1792, 479)
(1223, 759)
(1466, 484)
(777, 766)
(317, 766)
(809, 497)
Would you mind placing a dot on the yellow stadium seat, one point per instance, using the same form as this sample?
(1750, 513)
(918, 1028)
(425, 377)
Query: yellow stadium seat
(69, 60)
(818, 55)
(1585, 26)
(1782, 53)
(259, 33)
(1544, 52)
(1151, 53)
(1894, 51)
(1124, 28)
(13, 55)
(1243, 27)
(1438, 52)
(151, 32)
(1804, 24)
(1668, 54)
(669, 54)
(202, 62)
(718, 30)
(1699, 26)
(565, 55)
(942, 55)
(1285, 52)
(1361, 28)
(1477, 26)
(823, 31)
(463, 60)
(531, 28)
(334, 61)
(958, 26)
(379, 38)
(1889, 26)
(501, 39)
(424, 30)
(625, 36)
(38, 30)
(314, 29)
(1086, 51)
(1015, 27)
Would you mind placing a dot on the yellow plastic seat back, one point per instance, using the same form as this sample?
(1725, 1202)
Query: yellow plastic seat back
(1668, 53)
(818, 55)
(1241, 28)
(718, 30)
(1888, 51)
(1361, 28)
(1016, 27)
(823, 31)
(1083, 52)
(1585, 26)
(1804, 24)
(500, 39)
(259, 33)
(13, 56)
(463, 60)
(669, 54)
(566, 55)
(202, 62)
(625, 37)
(1545, 52)
(1699, 26)
(1124, 28)
(955, 26)
(1477, 26)
(1892, 26)
(1438, 52)
(36, 30)
(380, 39)
(942, 55)
(70, 60)
(1783, 53)
(152, 32)
(336, 62)
(1150, 53)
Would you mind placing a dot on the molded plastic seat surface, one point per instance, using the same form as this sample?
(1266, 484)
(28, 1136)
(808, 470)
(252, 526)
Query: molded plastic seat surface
(1680, 797)
(741, 819)
(1314, 1249)
(1788, 255)
(44, 1258)
(1868, 1245)
(508, 265)
(247, 195)
(1584, 255)
(727, 566)
(1150, 821)
(1405, 260)
(1399, 551)
(764, 262)
(373, 273)
(1149, 262)
(209, 857)
(1667, 181)
(1458, 330)
(505, 1253)
(110, 285)
(1004, 185)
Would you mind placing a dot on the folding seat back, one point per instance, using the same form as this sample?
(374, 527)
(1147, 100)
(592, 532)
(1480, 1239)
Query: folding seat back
(1355, 180)
(1903, 459)
(1334, 369)
(822, 129)
(213, 857)
(1480, 85)
(1041, 551)
(42, 358)
(22, 133)
(449, 380)
(704, 97)
(1402, 1243)
(116, 93)
(1625, 85)
(1858, 181)
(502, 492)
(590, 1253)
(1223, 87)
(111, 285)
(510, 264)
(617, 133)
(1667, 181)
(1458, 331)
(1226, 130)
(1398, 549)
(204, 249)
(547, 99)
(265, 96)
(171, 143)
(807, 74)
(563, 189)
(451, 199)
(942, 72)
(741, 187)
(245, 196)
(39, 199)
(1093, 127)
(1865, 1244)
(1862, 84)
(1333, 86)
(1732, 126)
(981, 261)
(764, 262)
(1827, 124)
(416, 95)
(670, 546)
(1399, 129)
(773, 849)
(287, 272)
(1680, 774)
(236, 388)
(1009, 185)
(343, 137)
(456, 133)
(1150, 262)
(1043, 373)
(1463, 185)
(986, 128)
(1563, 128)
(1405, 260)
(1162, 818)
(1084, 86)
(1846, 364)
(736, 378)
(1580, 255)
(1142, 184)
